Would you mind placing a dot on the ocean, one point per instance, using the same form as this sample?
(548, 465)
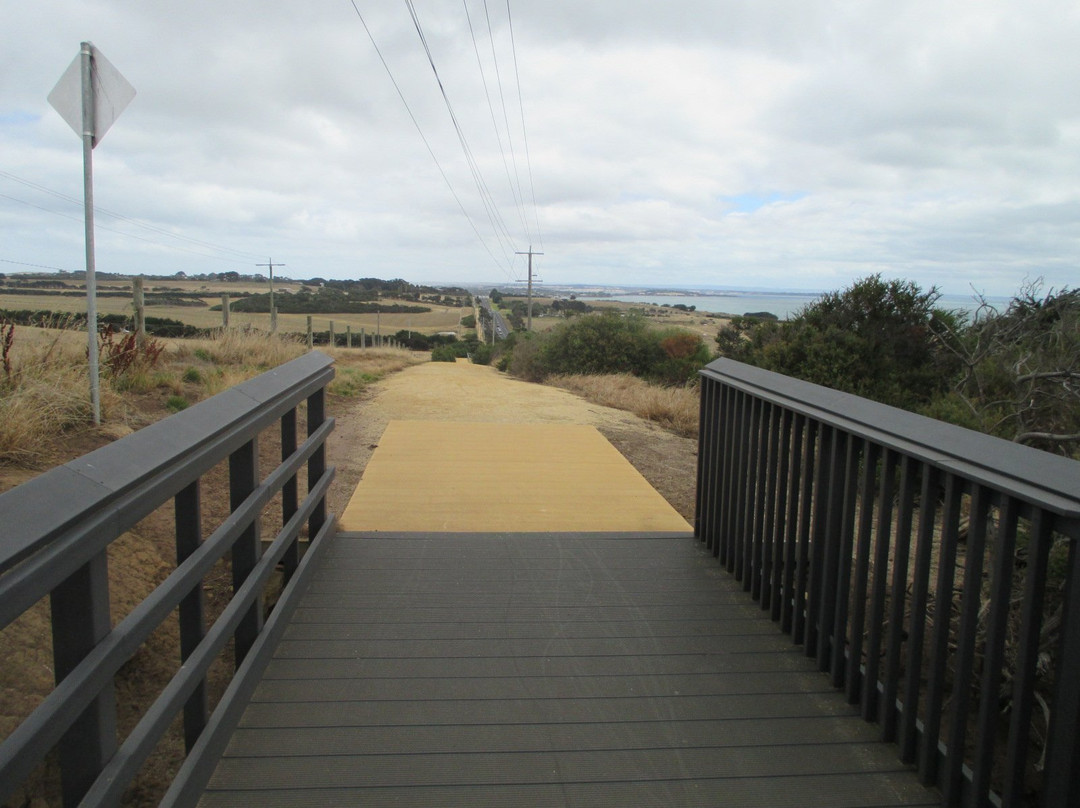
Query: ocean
(781, 304)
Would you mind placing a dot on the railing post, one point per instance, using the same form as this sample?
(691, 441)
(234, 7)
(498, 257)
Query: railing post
(188, 508)
(243, 478)
(1063, 742)
(289, 492)
(316, 414)
(706, 460)
(80, 619)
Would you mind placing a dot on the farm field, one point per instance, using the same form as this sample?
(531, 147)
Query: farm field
(440, 318)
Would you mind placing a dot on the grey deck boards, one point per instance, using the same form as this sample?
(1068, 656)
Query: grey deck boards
(545, 670)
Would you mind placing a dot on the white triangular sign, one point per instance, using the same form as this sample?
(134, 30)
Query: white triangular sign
(112, 94)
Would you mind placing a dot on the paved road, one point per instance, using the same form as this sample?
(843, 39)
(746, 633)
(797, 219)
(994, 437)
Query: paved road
(502, 328)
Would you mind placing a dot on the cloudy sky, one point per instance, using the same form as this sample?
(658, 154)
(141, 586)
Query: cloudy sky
(787, 144)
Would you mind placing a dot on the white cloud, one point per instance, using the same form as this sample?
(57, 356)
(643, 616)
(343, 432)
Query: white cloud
(771, 143)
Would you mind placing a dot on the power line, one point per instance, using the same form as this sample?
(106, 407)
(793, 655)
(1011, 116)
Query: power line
(121, 217)
(36, 266)
(99, 226)
(514, 191)
(506, 119)
(427, 144)
(495, 217)
(524, 131)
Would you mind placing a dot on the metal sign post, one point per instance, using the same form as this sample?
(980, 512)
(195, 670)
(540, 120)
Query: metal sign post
(90, 96)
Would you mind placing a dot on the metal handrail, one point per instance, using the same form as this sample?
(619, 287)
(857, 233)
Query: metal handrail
(853, 523)
(58, 528)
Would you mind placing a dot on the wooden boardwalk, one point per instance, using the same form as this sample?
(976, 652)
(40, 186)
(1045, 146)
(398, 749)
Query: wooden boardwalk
(526, 669)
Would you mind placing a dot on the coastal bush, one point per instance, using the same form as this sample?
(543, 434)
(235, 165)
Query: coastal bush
(610, 342)
(606, 343)
(883, 340)
(1020, 369)
(446, 353)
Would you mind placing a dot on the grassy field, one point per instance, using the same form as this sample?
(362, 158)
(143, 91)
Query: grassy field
(440, 318)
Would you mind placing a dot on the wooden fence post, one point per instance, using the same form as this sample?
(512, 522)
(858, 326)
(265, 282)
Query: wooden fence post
(225, 310)
(140, 310)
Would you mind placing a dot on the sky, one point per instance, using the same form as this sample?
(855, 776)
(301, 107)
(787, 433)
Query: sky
(767, 144)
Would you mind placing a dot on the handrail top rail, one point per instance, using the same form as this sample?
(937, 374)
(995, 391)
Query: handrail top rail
(37, 511)
(1040, 478)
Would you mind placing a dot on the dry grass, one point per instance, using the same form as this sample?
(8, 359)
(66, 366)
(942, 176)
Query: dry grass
(674, 408)
(244, 348)
(46, 391)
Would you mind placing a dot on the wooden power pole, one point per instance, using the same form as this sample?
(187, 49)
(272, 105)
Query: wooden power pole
(273, 311)
(530, 253)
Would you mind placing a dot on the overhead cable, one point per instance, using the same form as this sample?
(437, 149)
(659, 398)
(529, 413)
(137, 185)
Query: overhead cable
(524, 131)
(495, 217)
(427, 144)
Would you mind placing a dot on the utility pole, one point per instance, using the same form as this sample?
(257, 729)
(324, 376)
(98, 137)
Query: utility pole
(273, 313)
(530, 253)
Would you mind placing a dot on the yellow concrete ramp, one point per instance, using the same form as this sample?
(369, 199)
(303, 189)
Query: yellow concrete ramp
(443, 476)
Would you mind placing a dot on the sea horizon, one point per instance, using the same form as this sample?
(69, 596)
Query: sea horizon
(779, 303)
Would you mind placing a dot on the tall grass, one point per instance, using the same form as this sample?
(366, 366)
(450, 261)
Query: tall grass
(245, 347)
(44, 389)
(45, 382)
(674, 408)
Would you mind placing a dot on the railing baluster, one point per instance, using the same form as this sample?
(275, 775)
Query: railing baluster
(783, 483)
(243, 477)
(729, 459)
(870, 702)
(939, 644)
(917, 635)
(898, 597)
(970, 606)
(1004, 549)
(1027, 659)
(826, 553)
(756, 536)
(844, 559)
(722, 430)
(188, 508)
(802, 567)
(791, 524)
(863, 549)
(742, 482)
(1063, 741)
(80, 619)
(706, 459)
(768, 531)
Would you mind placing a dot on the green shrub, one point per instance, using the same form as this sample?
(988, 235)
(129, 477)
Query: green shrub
(606, 343)
(526, 361)
(481, 354)
(192, 376)
(176, 403)
(878, 339)
(444, 353)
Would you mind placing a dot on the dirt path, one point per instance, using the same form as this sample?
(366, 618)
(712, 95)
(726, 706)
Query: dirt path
(469, 393)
